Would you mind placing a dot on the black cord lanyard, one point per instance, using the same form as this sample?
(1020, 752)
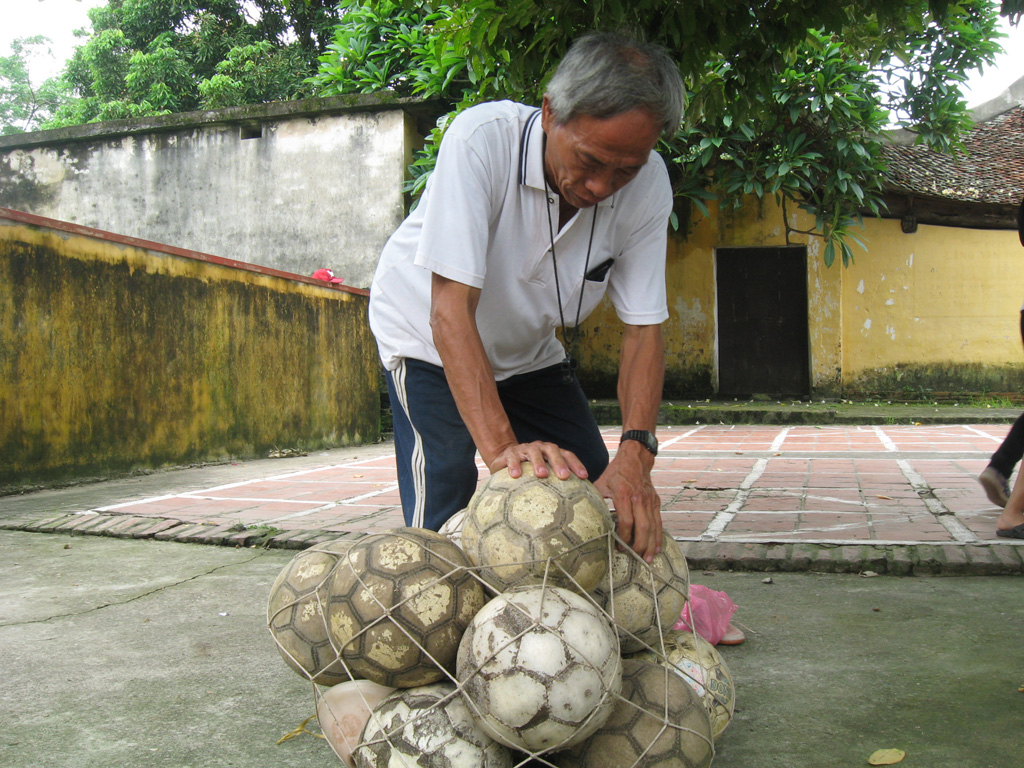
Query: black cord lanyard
(570, 362)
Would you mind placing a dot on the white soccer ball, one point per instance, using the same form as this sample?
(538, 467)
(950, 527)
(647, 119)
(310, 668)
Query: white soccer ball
(540, 668)
(428, 727)
(644, 600)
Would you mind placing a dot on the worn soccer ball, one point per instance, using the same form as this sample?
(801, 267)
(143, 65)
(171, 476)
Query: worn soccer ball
(644, 600)
(452, 528)
(397, 605)
(295, 613)
(429, 727)
(519, 531)
(700, 664)
(540, 668)
(659, 723)
(342, 711)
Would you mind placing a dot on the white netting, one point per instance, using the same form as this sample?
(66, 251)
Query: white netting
(539, 661)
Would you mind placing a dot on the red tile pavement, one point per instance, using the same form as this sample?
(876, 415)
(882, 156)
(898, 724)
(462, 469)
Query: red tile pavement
(899, 484)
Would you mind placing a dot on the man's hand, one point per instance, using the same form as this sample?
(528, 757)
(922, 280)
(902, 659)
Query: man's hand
(627, 482)
(544, 457)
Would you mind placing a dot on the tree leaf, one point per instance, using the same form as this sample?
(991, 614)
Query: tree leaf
(886, 756)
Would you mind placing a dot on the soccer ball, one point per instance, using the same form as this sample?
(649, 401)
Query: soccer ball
(295, 613)
(342, 711)
(658, 723)
(452, 527)
(397, 605)
(644, 600)
(430, 727)
(540, 668)
(700, 664)
(518, 530)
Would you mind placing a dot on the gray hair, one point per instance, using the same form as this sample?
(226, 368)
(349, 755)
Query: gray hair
(605, 74)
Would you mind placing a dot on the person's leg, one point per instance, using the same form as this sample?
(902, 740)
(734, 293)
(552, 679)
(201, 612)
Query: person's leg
(542, 406)
(436, 457)
(1010, 451)
(995, 478)
(1011, 521)
(1012, 517)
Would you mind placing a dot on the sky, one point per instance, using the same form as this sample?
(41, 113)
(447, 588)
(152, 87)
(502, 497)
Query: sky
(58, 19)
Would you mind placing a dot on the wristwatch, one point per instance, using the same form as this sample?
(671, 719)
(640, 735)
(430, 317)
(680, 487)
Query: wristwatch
(642, 436)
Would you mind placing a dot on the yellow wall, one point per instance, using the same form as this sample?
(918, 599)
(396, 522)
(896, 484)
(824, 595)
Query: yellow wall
(115, 356)
(933, 311)
(937, 309)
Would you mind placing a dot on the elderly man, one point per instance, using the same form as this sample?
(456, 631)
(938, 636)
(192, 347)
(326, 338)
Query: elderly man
(529, 218)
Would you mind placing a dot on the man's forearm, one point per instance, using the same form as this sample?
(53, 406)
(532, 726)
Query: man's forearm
(641, 376)
(467, 369)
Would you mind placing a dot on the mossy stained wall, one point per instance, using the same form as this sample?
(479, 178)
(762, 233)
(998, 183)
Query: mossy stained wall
(116, 356)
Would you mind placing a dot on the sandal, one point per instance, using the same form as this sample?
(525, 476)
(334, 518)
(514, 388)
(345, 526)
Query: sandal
(734, 636)
(1017, 532)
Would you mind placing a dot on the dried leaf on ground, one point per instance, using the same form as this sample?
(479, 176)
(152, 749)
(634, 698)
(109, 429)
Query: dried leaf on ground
(886, 756)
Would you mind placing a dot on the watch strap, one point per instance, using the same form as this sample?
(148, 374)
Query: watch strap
(642, 436)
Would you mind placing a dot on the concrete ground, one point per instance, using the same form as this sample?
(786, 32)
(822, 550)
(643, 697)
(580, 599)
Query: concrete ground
(121, 652)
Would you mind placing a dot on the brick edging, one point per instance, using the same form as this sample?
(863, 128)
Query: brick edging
(890, 559)
(169, 529)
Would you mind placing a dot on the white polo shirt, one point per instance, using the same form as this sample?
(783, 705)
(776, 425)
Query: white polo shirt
(483, 221)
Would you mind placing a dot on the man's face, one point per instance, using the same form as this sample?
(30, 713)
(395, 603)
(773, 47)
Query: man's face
(587, 160)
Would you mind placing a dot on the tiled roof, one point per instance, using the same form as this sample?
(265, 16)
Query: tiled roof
(991, 170)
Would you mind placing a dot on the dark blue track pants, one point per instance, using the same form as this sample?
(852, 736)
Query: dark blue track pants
(437, 471)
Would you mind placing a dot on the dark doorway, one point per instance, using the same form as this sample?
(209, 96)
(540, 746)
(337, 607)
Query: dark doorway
(762, 321)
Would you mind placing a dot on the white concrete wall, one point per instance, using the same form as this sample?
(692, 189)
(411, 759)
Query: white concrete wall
(312, 190)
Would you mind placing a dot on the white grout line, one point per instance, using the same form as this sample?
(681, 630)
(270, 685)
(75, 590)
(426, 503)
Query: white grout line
(199, 494)
(137, 501)
(779, 439)
(885, 513)
(334, 505)
(303, 513)
(677, 438)
(982, 433)
(884, 438)
(247, 499)
(949, 521)
(285, 476)
(370, 495)
(722, 519)
(781, 538)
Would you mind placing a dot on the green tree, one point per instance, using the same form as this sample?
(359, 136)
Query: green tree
(786, 97)
(150, 57)
(24, 106)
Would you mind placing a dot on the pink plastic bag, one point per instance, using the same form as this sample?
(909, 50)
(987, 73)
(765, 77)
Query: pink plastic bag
(711, 612)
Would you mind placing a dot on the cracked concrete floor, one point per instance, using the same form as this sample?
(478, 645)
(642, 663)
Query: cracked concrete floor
(120, 652)
(128, 653)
